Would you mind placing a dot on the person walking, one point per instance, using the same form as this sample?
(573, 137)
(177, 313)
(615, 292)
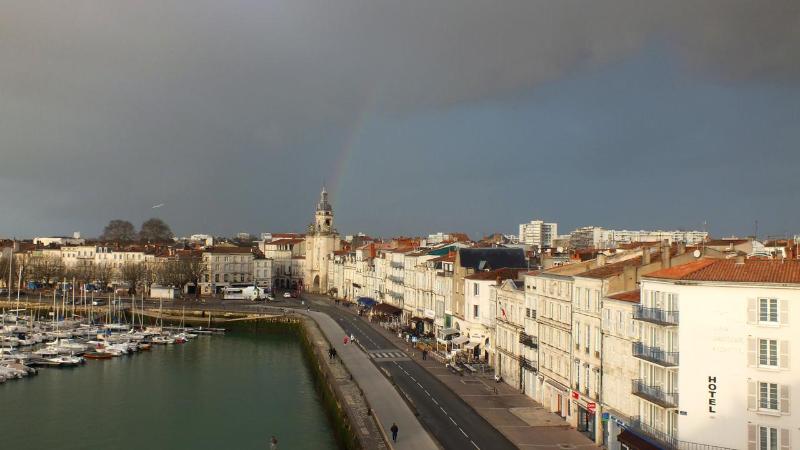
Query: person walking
(394, 431)
(346, 339)
(273, 443)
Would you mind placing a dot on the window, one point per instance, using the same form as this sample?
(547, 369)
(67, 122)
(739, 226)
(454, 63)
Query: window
(768, 396)
(768, 352)
(475, 288)
(475, 311)
(768, 310)
(767, 438)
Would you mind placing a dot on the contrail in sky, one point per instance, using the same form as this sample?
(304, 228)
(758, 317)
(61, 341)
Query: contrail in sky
(158, 205)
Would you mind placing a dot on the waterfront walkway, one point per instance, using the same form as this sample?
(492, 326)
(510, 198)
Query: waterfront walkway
(386, 403)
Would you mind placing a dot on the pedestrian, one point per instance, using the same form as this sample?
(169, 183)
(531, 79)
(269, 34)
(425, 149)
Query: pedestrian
(424, 354)
(352, 337)
(273, 443)
(335, 353)
(330, 353)
(394, 430)
(346, 338)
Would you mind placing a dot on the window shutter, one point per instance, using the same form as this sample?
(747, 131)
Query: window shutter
(752, 436)
(783, 314)
(786, 439)
(784, 399)
(784, 354)
(752, 310)
(752, 395)
(752, 351)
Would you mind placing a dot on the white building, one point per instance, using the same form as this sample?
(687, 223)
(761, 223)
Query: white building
(538, 233)
(76, 239)
(601, 238)
(226, 265)
(732, 322)
(508, 301)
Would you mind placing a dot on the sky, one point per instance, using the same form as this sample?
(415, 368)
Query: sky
(418, 116)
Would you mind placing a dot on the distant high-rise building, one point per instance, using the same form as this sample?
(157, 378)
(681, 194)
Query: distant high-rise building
(601, 238)
(538, 233)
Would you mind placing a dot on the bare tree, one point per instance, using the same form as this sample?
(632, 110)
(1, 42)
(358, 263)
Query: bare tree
(135, 275)
(155, 230)
(47, 269)
(119, 231)
(104, 274)
(192, 269)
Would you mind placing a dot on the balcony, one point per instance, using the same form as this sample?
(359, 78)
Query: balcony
(656, 315)
(396, 265)
(527, 364)
(655, 355)
(529, 341)
(654, 394)
(665, 440)
(394, 279)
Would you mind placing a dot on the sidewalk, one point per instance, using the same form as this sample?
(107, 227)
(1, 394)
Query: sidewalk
(526, 423)
(386, 403)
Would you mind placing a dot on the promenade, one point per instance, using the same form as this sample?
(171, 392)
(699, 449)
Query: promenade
(386, 403)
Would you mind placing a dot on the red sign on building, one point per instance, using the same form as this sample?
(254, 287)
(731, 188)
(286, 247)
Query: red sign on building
(591, 407)
(576, 395)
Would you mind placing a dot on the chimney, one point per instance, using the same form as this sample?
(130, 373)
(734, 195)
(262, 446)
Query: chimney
(739, 260)
(665, 251)
(601, 260)
(645, 255)
(681, 247)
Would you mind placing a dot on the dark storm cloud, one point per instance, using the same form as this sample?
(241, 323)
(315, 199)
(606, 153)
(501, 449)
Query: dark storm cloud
(232, 113)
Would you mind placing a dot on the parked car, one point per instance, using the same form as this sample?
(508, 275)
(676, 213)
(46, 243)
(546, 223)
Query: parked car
(287, 295)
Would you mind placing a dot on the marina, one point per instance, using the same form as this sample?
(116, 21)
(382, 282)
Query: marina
(210, 392)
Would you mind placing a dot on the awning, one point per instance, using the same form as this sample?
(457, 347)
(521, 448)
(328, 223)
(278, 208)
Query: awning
(448, 331)
(385, 308)
(422, 319)
(556, 385)
(460, 340)
(471, 344)
(366, 301)
(635, 442)
(357, 285)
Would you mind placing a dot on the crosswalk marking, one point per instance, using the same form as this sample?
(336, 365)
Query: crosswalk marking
(387, 354)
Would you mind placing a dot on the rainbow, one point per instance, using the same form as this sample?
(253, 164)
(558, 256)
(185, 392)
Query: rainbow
(349, 144)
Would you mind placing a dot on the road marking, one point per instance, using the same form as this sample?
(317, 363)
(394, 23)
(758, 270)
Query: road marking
(434, 400)
(475, 445)
(443, 410)
(451, 420)
(463, 432)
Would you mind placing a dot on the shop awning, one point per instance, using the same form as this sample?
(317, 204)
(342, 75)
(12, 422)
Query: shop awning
(448, 331)
(635, 442)
(460, 340)
(366, 301)
(471, 344)
(385, 308)
(422, 319)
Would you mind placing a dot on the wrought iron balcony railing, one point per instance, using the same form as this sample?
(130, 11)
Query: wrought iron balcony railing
(655, 355)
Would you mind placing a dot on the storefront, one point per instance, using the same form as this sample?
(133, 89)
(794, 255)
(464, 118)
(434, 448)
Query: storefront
(586, 422)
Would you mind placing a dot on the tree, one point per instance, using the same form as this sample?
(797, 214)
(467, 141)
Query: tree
(119, 231)
(192, 269)
(155, 230)
(134, 274)
(47, 269)
(5, 261)
(104, 274)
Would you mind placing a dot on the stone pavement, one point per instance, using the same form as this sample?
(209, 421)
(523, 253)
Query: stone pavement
(523, 421)
(383, 398)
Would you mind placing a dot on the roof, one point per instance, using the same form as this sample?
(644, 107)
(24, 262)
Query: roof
(228, 250)
(725, 242)
(627, 296)
(749, 271)
(285, 241)
(612, 269)
(503, 274)
(450, 257)
(492, 258)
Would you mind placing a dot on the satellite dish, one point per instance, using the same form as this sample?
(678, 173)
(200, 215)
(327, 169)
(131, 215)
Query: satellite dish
(696, 253)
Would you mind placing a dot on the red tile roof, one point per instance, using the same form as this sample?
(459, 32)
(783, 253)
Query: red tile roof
(628, 296)
(751, 271)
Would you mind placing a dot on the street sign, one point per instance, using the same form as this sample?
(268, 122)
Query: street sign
(576, 395)
(591, 407)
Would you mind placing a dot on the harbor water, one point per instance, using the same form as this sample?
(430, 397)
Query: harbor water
(231, 392)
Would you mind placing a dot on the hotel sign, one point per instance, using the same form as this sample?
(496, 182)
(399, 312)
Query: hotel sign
(712, 395)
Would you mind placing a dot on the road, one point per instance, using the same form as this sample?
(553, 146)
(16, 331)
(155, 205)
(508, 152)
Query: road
(454, 423)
